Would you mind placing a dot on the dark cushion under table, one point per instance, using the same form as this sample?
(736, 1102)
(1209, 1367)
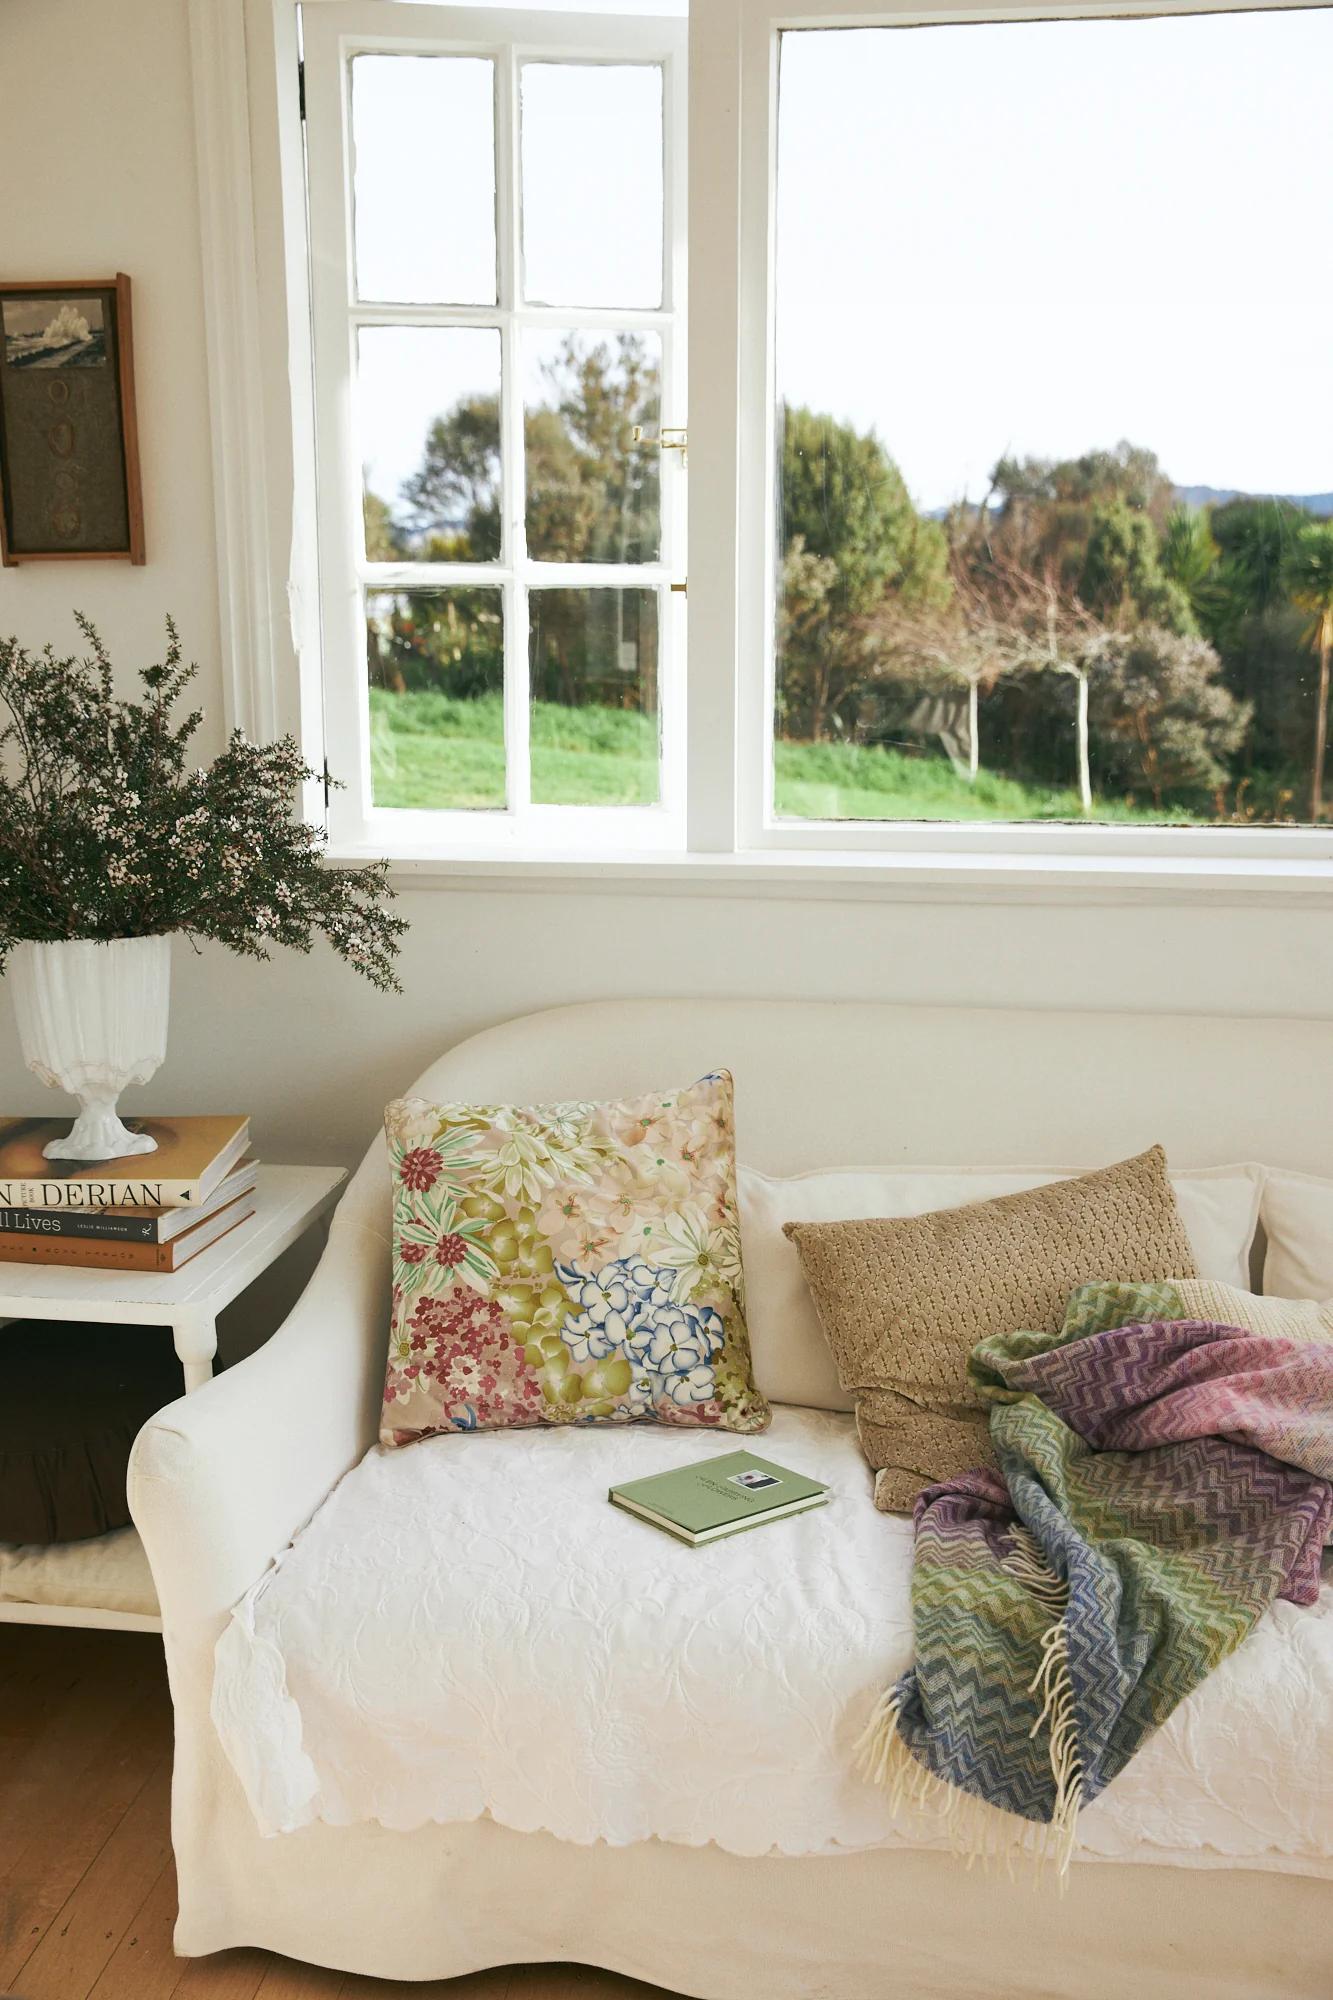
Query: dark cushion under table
(73, 1397)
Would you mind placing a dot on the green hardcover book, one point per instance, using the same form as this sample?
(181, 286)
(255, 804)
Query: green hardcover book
(718, 1496)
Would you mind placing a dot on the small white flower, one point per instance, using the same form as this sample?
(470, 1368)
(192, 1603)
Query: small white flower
(697, 1253)
(586, 1340)
(680, 1342)
(694, 1387)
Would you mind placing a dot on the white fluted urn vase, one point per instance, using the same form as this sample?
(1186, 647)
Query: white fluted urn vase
(92, 1019)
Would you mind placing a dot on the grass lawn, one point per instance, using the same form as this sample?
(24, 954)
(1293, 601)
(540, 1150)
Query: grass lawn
(429, 751)
(856, 781)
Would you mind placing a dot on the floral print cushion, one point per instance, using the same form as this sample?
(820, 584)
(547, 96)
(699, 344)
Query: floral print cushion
(567, 1263)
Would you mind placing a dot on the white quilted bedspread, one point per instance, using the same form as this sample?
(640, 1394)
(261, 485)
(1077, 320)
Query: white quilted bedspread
(466, 1627)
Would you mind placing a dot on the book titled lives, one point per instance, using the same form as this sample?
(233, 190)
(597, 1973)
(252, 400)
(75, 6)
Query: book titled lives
(193, 1155)
(98, 1253)
(718, 1496)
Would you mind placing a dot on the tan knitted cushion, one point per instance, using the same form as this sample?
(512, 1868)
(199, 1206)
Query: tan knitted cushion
(903, 1302)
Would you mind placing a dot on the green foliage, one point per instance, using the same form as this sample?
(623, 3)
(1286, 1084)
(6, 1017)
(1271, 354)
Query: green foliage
(851, 539)
(1256, 538)
(1308, 572)
(1267, 665)
(593, 646)
(1310, 582)
(1049, 507)
(592, 496)
(383, 541)
(453, 501)
(822, 649)
(1123, 582)
(1189, 554)
(452, 640)
(845, 498)
(105, 833)
(1128, 473)
(1163, 721)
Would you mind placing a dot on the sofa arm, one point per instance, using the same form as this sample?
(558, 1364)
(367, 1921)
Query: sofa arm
(221, 1481)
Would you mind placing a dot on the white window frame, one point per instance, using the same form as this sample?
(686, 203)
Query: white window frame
(734, 74)
(276, 671)
(335, 32)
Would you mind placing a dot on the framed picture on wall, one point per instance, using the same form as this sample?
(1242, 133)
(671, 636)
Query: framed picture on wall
(69, 450)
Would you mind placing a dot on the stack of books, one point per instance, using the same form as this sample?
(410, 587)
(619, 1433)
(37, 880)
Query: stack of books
(147, 1212)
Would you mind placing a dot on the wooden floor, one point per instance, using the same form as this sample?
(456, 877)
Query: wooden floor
(87, 1890)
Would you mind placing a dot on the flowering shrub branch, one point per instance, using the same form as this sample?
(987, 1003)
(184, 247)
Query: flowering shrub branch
(104, 833)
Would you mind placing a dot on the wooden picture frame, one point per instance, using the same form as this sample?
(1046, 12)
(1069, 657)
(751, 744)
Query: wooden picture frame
(70, 488)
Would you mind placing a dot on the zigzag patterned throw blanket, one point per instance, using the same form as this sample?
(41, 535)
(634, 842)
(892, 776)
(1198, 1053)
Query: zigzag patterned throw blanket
(1165, 1479)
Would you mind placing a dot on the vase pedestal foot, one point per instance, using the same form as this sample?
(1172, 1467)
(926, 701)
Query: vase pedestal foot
(98, 1134)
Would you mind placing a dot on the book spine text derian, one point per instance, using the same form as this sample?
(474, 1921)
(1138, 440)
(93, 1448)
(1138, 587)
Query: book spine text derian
(75, 1194)
(105, 1225)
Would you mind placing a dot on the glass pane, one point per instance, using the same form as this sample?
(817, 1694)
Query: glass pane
(592, 184)
(428, 418)
(1056, 459)
(423, 131)
(592, 494)
(593, 663)
(435, 665)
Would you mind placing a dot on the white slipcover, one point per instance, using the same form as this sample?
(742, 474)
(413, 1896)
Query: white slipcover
(466, 1627)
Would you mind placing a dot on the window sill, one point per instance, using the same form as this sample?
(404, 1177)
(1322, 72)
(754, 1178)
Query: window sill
(924, 876)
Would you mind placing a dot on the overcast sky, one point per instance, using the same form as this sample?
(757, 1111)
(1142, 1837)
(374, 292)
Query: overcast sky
(1033, 238)
(1041, 237)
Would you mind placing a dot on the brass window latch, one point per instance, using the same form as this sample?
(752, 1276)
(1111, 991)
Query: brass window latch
(670, 437)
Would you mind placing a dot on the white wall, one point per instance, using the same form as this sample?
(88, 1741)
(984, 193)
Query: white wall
(305, 1044)
(315, 1052)
(97, 159)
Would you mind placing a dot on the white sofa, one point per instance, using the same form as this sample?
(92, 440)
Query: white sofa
(221, 1483)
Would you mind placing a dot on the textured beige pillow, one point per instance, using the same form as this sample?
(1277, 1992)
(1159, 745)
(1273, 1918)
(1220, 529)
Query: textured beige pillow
(904, 1301)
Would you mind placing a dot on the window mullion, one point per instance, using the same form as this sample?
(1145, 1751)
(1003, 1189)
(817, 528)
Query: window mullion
(714, 523)
(509, 244)
(518, 761)
(594, 319)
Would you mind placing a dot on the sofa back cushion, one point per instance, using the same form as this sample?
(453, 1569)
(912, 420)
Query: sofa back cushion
(567, 1263)
(904, 1301)
(792, 1363)
(1297, 1215)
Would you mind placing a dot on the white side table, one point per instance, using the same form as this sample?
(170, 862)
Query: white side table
(287, 1200)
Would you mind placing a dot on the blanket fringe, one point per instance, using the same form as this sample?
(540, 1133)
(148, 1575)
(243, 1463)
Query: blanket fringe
(977, 1830)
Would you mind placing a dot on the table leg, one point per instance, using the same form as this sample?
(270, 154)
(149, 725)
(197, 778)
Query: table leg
(196, 1338)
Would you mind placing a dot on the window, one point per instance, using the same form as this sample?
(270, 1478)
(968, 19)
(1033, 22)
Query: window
(1053, 446)
(1010, 465)
(496, 294)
